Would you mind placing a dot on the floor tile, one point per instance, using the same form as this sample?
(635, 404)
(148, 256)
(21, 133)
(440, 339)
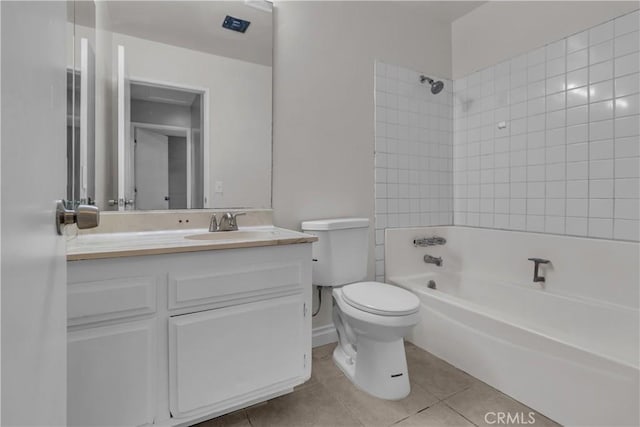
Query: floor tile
(234, 419)
(309, 407)
(434, 374)
(323, 368)
(439, 415)
(475, 402)
(372, 411)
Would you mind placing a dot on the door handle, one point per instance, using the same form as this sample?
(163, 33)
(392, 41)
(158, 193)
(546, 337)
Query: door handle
(84, 216)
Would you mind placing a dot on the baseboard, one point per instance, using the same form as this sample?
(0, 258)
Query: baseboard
(323, 335)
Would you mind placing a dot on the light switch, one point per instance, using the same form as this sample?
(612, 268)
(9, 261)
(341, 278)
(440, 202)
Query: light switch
(218, 188)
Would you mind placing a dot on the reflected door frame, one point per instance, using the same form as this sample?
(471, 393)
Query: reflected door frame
(165, 130)
(206, 148)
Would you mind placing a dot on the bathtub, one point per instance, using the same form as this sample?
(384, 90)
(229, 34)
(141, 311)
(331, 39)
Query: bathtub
(568, 347)
(574, 360)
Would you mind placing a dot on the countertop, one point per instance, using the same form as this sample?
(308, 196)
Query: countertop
(127, 244)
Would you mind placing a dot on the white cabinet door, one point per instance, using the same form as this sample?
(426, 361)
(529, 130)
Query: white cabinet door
(217, 357)
(111, 372)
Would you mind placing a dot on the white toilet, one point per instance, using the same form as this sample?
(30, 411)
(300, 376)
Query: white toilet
(371, 318)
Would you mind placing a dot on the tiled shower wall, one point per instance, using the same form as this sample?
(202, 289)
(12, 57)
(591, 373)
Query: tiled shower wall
(549, 141)
(413, 153)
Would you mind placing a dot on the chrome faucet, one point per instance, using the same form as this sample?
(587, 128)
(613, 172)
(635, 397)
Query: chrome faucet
(433, 260)
(228, 221)
(213, 223)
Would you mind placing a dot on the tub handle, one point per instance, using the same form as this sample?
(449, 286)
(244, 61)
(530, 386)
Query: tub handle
(537, 262)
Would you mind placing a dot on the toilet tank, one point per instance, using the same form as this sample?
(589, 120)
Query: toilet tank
(340, 254)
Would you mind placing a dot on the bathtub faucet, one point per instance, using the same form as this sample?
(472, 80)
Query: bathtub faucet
(433, 260)
(537, 262)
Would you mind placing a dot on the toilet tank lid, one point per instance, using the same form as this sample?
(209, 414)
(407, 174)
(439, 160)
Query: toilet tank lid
(335, 224)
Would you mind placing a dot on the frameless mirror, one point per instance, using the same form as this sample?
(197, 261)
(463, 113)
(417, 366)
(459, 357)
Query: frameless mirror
(178, 107)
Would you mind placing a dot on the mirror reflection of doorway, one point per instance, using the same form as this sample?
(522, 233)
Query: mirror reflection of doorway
(164, 164)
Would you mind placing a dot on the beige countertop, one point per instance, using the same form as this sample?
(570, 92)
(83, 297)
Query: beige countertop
(126, 244)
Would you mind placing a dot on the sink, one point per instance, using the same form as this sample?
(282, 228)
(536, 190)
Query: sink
(233, 235)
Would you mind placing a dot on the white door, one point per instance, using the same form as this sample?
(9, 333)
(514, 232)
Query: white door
(125, 192)
(34, 330)
(151, 170)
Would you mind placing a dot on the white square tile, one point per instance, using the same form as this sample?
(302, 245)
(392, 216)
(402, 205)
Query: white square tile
(601, 71)
(601, 111)
(556, 119)
(626, 230)
(627, 209)
(518, 78)
(577, 60)
(600, 150)
(601, 52)
(576, 226)
(577, 152)
(556, 171)
(601, 33)
(536, 56)
(554, 224)
(601, 169)
(627, 126)
(535, 206)
(627, 23)
(577, 78)
(578, 41)
(577, 97)
(628, 167)
(627, 85)
(555, 207)
(601, 130)
(555, 84)
(556, 137)
(578, 170)
(556, 66)
(628, 105)
(601, 188)
(578, 189)
(535, 223)
(517, 222)
(601, 227)
(627, 43)
(577, 115)
(536, 89)
(556, 101)
(556, 49)
(627, 64)
(577, 207)
(536, 73)
(578, 133)
(627, 147)
(601, 91)
(537, 122)
(627, 188)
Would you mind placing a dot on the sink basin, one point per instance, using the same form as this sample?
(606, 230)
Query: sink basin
(233, 235)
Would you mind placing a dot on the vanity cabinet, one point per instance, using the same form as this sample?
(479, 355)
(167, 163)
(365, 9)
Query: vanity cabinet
(173, 339)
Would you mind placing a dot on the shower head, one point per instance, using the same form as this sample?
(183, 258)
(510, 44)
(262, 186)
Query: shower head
(436, 86)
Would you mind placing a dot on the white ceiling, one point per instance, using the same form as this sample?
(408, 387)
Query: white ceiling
(193, 25)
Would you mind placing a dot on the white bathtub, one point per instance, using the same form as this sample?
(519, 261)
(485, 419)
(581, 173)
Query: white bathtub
(573, 358)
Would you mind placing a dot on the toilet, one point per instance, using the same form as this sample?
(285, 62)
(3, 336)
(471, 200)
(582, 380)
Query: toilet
(371, 318)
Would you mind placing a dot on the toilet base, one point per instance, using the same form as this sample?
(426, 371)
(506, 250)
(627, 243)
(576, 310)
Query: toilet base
(379, 368)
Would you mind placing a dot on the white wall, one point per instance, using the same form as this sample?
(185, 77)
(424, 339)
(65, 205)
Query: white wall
(324, 54)
(239, 115)
(499, 30)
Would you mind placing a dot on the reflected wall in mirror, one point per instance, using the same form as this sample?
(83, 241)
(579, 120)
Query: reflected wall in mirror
(181, 106)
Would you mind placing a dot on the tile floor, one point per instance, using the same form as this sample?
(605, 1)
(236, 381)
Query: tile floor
(441, 395)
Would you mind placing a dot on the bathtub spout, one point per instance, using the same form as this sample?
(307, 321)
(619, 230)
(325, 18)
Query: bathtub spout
(433, 260)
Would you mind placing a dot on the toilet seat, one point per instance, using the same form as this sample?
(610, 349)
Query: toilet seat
(380, 298)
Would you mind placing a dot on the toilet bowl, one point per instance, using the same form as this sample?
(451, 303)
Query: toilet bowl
(372, 320)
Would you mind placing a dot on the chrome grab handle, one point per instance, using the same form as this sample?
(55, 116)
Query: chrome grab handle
(84, 216)
(429, 241)
(537, 262)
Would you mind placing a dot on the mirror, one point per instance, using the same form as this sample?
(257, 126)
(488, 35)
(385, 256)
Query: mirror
(168, 109)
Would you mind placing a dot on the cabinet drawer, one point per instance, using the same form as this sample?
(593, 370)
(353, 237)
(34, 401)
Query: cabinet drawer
(220, 287)
(100, 300)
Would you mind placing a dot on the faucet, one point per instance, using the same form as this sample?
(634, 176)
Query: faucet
(228, 221)
(433, 260)
(213, 224)
(537, 262)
